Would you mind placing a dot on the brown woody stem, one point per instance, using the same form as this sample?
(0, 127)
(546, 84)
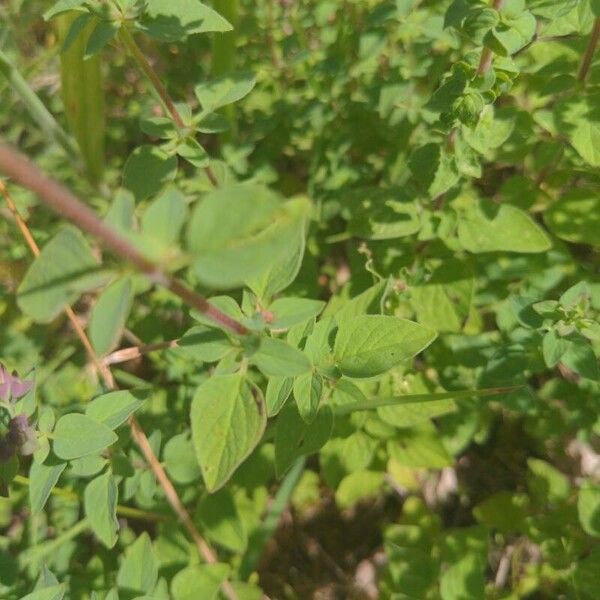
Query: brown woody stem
(62, 201)
(485, 62)
(586, 61)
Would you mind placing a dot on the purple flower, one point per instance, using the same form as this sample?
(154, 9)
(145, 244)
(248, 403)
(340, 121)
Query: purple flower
(12, 386)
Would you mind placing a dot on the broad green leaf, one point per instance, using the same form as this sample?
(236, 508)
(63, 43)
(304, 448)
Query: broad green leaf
(239, 232)
(220, 519)
(485, 227)
(114, 408)
(179, 458)
(109, 315)
(553, 348)
(287, 312)
(588, 508)
(138, 571)
(308, 390)
(443, 300)
(419, 449)
(585, 137)
(147, 170)
(205, 343)
(277, 358)
(504, 511)
(412, 413)
(358, 486)
(434, 170)
(77, 435)
(580, 357)
(199, 582)
(512, 35)
(464, 580)
(42, 478)
(228, 418)
(367, 302)
(370, 345)
(100, 503)
(294, 437)
(121, 211)
(63, 6)
(215, 94)
(492, 130)
(55, 592)
(64, 270)
(103, 33)
(546, 482)
(576, 217)
(170, 20)
(193, 152)
(165, 216)
(278, 391)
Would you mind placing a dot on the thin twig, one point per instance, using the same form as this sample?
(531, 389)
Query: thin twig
(130, 44)
(136, 431)
(126, 354)
(68, 206)
(485, 62)
(586, 61)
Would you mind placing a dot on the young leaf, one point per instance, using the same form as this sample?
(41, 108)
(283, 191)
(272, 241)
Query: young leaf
(287, 312)
(109, 316)
(308, 389)
(215, 94)
(170, 20)
(276, 358)
(42, 479)
(278, 391)
(370, 345)
(77, 435)
(228, 418)
(114, 408)
(100, 504)
(138, 571)
(64, 270)
(147, 170)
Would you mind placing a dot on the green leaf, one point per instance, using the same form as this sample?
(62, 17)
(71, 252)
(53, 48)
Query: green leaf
(103, 33)
(287, 312)
(205, 343)
(63, 6)
(546, 483)
(308, 389)
(215, 94)
(358, 486)
(576, 217)
(180, 461)
(64, 270)
(580, 357)
(504, 511)
(100, 503)
(228, 419)
(585, 137)
(109, 315)
(220, 519)
(485, 227)
(239, 233)
(370, 345)
(55, 592)
(464, 580)
(199, 581)
(434, 170)
(138, 571)
(277, 358)
(170, 21)
(114, 408)
(553, 348)
(193, 152)
(77, 435)
(165, 216)
(443, 301)
(42, 479)
(419, 449)
(147, 170)
(294, 437)
(278, 391)
(588, 508)
(509, 37)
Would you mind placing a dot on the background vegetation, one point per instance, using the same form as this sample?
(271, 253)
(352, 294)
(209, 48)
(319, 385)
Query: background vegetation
(394, 210)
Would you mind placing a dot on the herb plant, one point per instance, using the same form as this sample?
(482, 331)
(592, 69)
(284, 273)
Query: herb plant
(271, 264)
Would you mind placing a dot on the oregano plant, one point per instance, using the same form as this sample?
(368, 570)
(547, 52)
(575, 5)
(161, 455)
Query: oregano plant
(299, 299)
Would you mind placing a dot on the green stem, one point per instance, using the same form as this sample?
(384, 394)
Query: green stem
(39, 113)
(370, 404)
(42, 550)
